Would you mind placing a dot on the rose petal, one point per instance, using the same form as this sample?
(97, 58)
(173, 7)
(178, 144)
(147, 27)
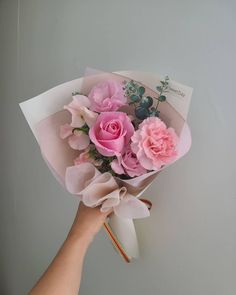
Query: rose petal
(115, 145)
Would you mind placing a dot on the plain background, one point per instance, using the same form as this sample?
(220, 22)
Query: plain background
(188, 245)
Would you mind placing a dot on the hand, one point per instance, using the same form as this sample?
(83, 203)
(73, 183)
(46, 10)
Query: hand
(88, 222)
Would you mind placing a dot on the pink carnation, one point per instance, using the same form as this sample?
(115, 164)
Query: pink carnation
(154, 144)
(107, 96)
(111, 133)
(128, 164)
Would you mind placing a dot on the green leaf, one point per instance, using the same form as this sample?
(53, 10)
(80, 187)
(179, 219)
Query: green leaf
(162, 98)
(141, 90)
(134, 98)
(141, 113)
(146, 102)
(159, 88)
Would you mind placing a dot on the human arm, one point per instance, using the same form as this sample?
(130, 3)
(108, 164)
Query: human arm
(64, 273)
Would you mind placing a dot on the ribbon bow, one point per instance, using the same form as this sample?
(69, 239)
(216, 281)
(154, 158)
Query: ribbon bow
(101, 189)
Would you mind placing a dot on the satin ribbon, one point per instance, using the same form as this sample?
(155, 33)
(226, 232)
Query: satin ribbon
(101, 189)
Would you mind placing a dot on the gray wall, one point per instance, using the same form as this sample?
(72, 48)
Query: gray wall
(188, 244)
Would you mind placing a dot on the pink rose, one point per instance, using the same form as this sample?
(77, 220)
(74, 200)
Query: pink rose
(111, 133)
(154, 144)
(128, 164)
(107, 96)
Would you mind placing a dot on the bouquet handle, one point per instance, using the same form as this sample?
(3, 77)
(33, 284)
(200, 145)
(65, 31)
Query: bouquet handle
(123, 235)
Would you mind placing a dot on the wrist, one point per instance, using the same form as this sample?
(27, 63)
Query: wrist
(80, 236)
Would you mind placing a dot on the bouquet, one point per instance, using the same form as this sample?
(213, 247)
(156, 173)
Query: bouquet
(106, 136)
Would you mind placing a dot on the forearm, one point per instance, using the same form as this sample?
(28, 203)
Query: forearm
(64, 274)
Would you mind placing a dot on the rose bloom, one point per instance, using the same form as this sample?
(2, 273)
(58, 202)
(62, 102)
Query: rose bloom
(128, 164)
(111, 133)
(107, 96)
(154, 144)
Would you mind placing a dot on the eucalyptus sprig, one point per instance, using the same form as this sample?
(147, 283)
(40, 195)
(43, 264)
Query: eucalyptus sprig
(134, 91)
(144, 104)
(163, 88)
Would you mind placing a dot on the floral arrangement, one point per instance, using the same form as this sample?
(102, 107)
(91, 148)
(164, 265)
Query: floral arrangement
(110, 141)
(125, 144)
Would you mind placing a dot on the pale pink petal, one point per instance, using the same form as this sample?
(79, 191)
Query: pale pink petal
(77, 120)
(79, 141)
(65, 131)
(76, 108)
(88, 116)
(80, 101)
(116, 145)
(144, 161)
(116, 167)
